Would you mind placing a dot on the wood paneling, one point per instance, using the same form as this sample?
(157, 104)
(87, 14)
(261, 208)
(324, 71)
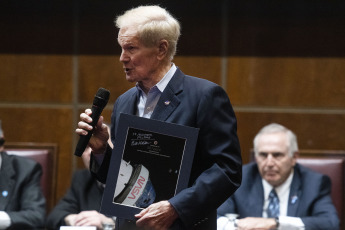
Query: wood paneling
(101, 71)
(313, 131)
(204, 67)
(43, 125)
(36, 78)
(298, 82)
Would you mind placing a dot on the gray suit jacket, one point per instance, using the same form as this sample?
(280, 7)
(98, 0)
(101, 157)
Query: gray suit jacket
(216, 170)
(309, 198)
(21, 194)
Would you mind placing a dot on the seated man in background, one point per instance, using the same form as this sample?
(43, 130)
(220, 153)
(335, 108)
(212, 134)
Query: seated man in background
(22, 204)
(277, 192)
(80, 205)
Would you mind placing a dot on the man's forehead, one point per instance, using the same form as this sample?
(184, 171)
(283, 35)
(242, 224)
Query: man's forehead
(122, 40)
(272, 140)
(127, 36)
(128, 32)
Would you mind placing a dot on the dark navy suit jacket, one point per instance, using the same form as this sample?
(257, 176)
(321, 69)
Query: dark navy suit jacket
(309, 198)
(21, 195)
(217, 165)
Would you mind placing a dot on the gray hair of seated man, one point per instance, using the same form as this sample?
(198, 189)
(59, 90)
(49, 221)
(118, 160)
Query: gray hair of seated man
(277, 128)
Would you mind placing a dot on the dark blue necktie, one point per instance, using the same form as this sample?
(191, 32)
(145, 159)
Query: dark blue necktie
(273, 205)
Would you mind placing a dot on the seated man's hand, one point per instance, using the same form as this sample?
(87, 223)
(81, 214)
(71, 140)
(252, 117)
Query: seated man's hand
(158, 216)
(88, 218)
(251, 223)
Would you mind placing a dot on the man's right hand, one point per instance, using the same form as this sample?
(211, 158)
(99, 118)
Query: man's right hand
(100, 135)
(88, 218)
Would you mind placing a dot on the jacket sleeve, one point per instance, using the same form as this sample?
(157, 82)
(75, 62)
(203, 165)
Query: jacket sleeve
(32, 212)
(323, 214)
(67, 205)
(217, 159)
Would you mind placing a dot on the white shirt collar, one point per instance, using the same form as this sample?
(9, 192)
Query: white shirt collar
(162, 84)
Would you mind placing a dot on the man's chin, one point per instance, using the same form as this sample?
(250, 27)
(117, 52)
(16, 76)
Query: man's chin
(271, 179)
(130, 79)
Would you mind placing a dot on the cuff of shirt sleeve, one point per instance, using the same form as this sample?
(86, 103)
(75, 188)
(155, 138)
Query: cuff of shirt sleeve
(5, 220)
(290, 223)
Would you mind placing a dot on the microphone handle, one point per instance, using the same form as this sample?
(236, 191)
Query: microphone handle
(84, 140)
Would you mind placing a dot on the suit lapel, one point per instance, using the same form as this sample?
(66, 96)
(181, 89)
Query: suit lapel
(7, 182)
(169, 101)
(131, 105)
(295, 193)
(257, 194)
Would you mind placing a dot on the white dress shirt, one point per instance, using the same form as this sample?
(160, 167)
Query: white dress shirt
(147, 102)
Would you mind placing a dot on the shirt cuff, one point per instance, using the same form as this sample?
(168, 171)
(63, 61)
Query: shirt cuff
(290, 223)
(5, 220)
(98, 158)
(224, 223)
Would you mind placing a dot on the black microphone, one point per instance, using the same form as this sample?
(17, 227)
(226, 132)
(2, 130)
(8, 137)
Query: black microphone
(99, 102)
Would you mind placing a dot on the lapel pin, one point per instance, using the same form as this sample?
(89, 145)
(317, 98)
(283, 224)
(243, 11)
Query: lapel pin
(167, 102)
(4, 193)
(294, 199)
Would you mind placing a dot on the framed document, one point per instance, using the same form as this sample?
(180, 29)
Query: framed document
(151, 161)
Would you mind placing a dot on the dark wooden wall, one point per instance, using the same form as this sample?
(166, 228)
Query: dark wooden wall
(279, 61)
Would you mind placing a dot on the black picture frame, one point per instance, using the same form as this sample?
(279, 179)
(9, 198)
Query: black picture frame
(165, 149)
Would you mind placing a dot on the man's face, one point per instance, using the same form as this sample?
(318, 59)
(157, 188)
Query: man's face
(274, 162)
(140, 63)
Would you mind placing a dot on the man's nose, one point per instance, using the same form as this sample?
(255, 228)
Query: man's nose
(270, 159)
(123, 57)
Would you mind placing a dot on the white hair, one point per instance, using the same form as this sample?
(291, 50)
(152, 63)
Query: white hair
(153, 24)
(277, 128)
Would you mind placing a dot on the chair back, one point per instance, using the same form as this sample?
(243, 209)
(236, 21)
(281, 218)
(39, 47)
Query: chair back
(331, 163)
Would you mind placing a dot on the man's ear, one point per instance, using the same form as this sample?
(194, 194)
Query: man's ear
(162, 49)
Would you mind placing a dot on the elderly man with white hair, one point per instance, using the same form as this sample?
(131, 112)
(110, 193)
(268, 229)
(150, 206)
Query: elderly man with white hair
(277, 192)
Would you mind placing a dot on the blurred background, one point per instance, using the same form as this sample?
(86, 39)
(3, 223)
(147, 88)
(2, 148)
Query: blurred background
(279, 61)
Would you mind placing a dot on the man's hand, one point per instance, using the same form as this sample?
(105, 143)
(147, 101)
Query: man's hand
(88, 218)
(158, 216)
(100, 135)
(251, 223)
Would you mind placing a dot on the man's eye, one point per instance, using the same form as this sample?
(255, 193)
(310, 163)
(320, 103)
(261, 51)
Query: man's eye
(278, 155)
(131, 48)
(263, 155)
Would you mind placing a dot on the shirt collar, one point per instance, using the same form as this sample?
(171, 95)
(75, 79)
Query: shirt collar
(162, 84)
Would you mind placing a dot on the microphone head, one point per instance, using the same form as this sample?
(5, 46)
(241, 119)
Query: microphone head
(101, 98)
(103, 93)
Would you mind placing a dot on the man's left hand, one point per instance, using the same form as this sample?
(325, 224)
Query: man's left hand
(158, 216)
